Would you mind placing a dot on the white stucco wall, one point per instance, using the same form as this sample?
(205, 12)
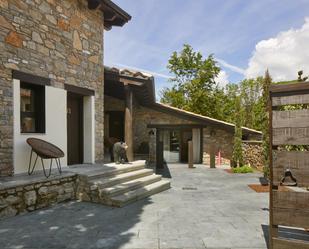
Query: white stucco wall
(56, 127)
(89, 130)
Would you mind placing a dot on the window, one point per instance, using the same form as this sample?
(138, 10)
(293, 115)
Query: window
(32, 108)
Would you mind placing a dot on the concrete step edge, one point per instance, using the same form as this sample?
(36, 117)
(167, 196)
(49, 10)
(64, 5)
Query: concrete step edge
(130, 185)
(105, 182)
(140, 193)
(113, 172)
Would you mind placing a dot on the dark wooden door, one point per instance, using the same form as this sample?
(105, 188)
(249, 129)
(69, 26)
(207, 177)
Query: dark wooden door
(75, 128)
(186, 136)
(159, 151)
(116, 125)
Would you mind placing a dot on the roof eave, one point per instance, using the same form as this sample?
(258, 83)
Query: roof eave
(113, 14)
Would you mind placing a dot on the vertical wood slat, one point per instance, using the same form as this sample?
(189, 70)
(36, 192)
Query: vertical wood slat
(279, 243)
(273, 230)
(296, 161)
(290, 100)
(291, 119)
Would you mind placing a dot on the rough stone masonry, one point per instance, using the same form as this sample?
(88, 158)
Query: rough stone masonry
(58, 39)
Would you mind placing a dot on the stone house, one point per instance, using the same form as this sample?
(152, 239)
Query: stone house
(51, 77)
(158, 132)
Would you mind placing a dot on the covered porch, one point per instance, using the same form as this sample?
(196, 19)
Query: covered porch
(124, 91)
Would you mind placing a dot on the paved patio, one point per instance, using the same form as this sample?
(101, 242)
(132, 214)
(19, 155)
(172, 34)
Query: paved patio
(206, 208)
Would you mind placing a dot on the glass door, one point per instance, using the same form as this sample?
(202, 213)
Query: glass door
(171, 145)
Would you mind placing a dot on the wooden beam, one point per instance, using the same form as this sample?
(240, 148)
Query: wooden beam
(291, 217)
(79, 90)
(30, 78)
(128, 122)
(291, 100)
(291, 118)
(280, 243)
(291, 136)
(278, 90)
(296, 161)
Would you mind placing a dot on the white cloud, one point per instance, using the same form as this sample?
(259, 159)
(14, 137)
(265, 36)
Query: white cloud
(230, 66)
(222, 79)
(284, 55)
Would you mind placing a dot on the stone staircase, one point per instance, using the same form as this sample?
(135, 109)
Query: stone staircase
(119, 185)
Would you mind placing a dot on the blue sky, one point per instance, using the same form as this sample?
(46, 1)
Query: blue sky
(230, 29)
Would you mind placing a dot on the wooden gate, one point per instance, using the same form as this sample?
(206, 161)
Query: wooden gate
(289, 166)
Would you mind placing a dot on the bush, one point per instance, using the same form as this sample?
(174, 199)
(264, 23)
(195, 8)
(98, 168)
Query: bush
(243, 170)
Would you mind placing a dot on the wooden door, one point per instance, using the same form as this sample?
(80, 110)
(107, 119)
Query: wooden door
(75, 128)
(159, 151)
(116, 125)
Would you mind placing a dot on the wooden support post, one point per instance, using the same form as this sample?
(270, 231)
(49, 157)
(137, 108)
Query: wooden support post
(212, 156)
(128, 126)
(190, 155)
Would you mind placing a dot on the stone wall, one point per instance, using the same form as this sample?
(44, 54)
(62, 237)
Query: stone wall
(31, 196)
(58, 39)
(142, 116)
(253, 154)
(218, 140)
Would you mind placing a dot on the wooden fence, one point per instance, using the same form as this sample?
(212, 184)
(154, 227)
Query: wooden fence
(289, 142)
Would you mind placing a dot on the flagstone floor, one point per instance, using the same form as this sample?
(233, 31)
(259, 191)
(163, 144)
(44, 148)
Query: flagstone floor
(205, 208)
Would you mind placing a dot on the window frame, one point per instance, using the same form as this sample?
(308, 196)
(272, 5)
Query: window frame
(39, 104)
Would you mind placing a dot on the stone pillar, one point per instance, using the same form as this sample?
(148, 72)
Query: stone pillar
(128, 126)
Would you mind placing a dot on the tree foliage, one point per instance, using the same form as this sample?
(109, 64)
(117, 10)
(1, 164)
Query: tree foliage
(237, 157)
(195, 89)
(194, 82)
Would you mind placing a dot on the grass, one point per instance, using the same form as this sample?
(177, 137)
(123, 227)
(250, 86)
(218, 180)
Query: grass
(243, 169)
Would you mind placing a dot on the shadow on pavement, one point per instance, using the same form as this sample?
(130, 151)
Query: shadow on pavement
(73, 225)
(165, 171)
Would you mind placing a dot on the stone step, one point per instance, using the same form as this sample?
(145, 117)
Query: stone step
(115, 169)
(140, 193)
(130, 185)
(104, 182)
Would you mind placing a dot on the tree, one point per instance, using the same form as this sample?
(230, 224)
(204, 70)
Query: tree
(237, 157)
(265, 122)
(194, 82)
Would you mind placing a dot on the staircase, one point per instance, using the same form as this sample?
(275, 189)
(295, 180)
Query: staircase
(119, 184)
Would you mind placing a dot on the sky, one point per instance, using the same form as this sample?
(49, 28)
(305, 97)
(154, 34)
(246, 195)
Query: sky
(246, 37)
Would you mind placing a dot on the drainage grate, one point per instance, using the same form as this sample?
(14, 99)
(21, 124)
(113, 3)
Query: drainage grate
(189, 188)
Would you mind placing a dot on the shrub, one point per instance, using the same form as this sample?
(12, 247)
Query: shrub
(243, 170)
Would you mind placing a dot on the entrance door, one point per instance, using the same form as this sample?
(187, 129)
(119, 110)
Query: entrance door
(116, 125)
(186, 136)
(75, 128)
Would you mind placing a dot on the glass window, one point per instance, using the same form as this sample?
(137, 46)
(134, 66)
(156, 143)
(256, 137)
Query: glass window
(32, 108)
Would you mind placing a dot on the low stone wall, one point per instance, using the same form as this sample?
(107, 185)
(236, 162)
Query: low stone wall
(253, 154)
(34, 195)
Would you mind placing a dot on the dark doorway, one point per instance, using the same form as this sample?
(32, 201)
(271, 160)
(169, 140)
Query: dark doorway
(75, 128)
(186, 136)
(116, 125)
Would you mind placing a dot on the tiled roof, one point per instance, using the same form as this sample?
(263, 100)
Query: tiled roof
(129, 73)
(205, 118)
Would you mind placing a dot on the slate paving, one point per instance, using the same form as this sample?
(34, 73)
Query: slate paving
(205, 208)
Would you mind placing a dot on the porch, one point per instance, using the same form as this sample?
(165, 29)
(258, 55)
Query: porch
(109, 184)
